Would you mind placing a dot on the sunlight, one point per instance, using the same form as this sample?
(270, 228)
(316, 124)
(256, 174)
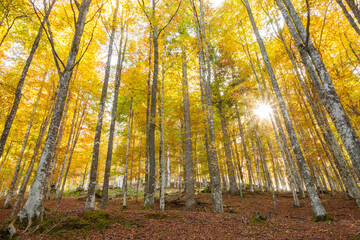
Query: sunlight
(263, 111)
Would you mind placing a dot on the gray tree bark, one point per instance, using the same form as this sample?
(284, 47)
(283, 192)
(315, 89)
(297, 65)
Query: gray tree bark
(317, 207)
(206, 77)
(246, 155)
(20, 196)
(150, 141)
(189, 181)
(18, 92)
(90, 198)
(322, 81)
(14, 180)
(71, 135)
(127, 154)
(348, 16)
(119, 66)
(33, 206)
(78, 125)
(226, 141)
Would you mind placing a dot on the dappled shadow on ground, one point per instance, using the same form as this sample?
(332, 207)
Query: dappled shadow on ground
(235, 223)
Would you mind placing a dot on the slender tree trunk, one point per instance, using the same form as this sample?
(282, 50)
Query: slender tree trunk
(206, 76)
(146, 188)
(274, 167)
(348, 16)
(259, 186)
(33, 206)
(189, 181)
(6, 155)
(29, 170)
(132, 157)
(14, 180)
(90, 199)
(323, 82)
(246, 155)
(291, 176)
(162, 137)
(57, 146)
(139, 169)
(239, 165)
(317, 207)
(149, 199)
(120, 61)
(127, 154)
(72, 148)
(18, 92)
(67, 152)
(226, 141)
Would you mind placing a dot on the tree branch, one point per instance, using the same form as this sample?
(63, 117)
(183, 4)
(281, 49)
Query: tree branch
(177, 9)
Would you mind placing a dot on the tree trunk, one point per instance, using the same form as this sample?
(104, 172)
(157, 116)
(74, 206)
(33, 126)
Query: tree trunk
(33, 206)
(226, 141)
(57, 146)
(6, 155)
(291, 176)
(14, 180)
(120, 61)
(162, 137)
(90, 198)
(18, 92)
(323, 83)
(139, 169)
(274, 167)
(26, 179)
(239, 167)
(317, 207)
(246, 155)
(189, 181)
(148, 99)
(72, 148)
(259, 186)
(150, 141)
(71, 135)
(206, 76)
(127, 154)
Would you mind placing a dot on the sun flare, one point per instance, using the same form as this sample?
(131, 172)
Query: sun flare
(263, 111)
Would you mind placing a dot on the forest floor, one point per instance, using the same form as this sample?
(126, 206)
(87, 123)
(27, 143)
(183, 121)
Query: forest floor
(70, 221)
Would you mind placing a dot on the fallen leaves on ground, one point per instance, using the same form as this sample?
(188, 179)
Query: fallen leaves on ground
(235, 223)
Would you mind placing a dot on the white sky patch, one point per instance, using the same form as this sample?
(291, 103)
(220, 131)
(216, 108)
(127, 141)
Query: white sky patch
(216, 3)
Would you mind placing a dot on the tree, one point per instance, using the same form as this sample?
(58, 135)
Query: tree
(18, 91)
(317, 207)
(33, 207)
(90, 199)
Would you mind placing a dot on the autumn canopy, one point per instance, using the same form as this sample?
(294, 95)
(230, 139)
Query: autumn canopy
(140, 99)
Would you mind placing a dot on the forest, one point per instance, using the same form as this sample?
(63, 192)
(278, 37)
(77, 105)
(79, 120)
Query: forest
(180, 119)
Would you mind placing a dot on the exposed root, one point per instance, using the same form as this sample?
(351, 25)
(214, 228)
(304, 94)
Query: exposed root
(30, 221)
(11, 228)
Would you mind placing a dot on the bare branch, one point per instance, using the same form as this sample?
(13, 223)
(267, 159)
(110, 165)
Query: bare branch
(172, 17)
(9, 28)
(97, 11)
(87, 46)
(73, 11)
(142, 5)
(49, 34)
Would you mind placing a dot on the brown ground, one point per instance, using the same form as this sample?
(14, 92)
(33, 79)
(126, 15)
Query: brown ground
(235, 223)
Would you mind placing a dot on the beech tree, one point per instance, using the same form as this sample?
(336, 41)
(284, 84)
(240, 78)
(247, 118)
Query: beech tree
(33, 207)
